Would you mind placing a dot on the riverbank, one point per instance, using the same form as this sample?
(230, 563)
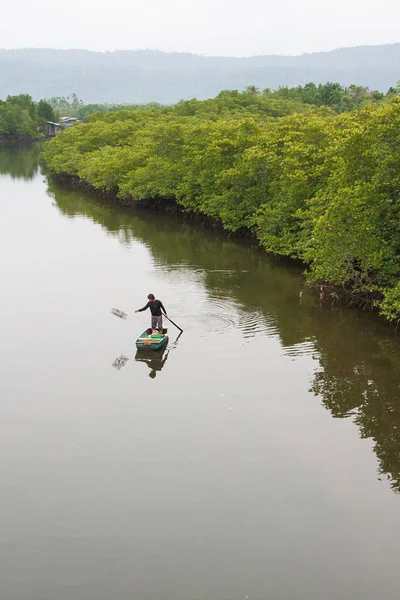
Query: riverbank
(327, 293)
(163, 205)
(6, 141)
(317, 187)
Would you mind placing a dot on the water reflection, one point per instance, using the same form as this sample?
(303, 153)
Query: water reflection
(360, 379)
(21, 162)
(154, 359)
(358, 374)
(120, 362)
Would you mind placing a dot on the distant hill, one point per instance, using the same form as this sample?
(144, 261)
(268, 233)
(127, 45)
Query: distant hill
(145, 75)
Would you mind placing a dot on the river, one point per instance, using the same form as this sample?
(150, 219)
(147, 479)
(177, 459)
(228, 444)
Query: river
(258, 458)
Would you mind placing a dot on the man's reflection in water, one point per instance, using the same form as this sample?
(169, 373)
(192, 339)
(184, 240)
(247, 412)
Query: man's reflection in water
(155, 360)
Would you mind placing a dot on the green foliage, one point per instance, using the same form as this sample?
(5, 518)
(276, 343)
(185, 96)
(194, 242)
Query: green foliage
(390, 305)
(46, 112)
(309, 182)
(23, 119)
(66, 106)
(62, 105)
(354, 221)
(23, 101)
(338, 98)
(268, 103)
(74, 107)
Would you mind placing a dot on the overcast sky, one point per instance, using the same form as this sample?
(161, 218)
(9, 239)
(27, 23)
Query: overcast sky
(213, 27)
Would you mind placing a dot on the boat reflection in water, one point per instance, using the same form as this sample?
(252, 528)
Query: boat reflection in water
(155, 359)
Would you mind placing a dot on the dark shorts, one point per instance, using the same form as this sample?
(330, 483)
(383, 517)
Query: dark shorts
(156, 322)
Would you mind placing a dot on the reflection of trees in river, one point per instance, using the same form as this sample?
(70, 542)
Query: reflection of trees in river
(21, 162)
(361, 379)
(359, 374)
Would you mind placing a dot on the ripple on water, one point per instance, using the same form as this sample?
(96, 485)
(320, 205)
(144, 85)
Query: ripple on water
(216, 315)
(254, 324)
(301, 349)
(219, 316)
(161, 266)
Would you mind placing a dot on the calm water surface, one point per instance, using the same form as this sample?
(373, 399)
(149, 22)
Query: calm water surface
(258, 457)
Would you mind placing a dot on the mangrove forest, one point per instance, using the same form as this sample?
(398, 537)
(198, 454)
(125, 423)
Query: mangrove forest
(22, 119)
(312, 172)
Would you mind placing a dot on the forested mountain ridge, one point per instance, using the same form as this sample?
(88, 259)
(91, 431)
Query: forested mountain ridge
(151, 75)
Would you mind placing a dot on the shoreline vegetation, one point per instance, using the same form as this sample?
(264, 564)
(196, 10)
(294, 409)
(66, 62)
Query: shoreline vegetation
(312, 172)
(22, 120)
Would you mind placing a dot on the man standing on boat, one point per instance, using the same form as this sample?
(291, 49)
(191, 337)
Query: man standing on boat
(156, 306)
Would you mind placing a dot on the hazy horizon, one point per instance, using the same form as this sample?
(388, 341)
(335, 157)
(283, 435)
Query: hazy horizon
(207, 28)
(143, 49)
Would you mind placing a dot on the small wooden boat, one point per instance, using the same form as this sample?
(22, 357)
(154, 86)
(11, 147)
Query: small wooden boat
(151, 341)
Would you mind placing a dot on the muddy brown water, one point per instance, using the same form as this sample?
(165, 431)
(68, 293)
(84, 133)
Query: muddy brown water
(257, 457)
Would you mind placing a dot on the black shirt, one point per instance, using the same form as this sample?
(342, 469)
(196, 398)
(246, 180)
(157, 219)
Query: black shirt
(155, 308)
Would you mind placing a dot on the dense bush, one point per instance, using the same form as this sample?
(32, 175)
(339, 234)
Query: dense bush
(22, 118)
(313, 183)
